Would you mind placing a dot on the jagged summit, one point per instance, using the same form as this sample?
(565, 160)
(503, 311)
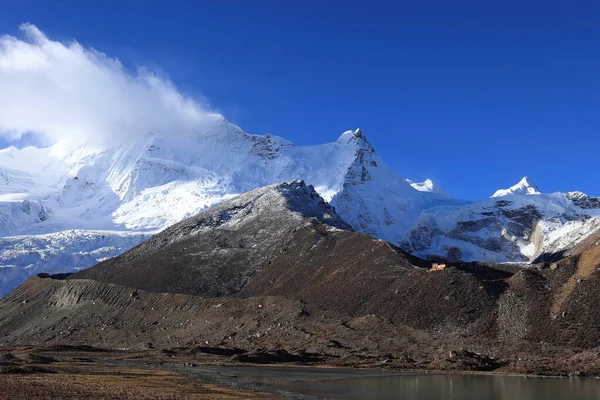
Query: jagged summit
(295, 197)
(357, 138)
(358, 133)
(524, 187)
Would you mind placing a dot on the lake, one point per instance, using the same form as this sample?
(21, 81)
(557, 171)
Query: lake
(352, 384)
(453, 387)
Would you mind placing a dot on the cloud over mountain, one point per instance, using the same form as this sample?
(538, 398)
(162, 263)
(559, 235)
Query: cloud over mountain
(62, 90)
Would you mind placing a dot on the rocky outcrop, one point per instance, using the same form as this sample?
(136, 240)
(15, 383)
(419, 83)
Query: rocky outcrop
(584, 201)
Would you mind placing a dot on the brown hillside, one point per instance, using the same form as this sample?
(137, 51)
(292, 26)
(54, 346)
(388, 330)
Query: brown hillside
(276, 276)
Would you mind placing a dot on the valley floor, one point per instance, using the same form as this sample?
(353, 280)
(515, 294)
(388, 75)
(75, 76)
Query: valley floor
(84, 372)
(28, 374)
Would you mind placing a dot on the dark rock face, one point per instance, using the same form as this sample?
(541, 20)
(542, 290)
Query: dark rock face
(453, 254)
(358, 172)
(583, 201)
(503, 203)
(475, 225)
(264, 147)
(469, 360)
(37, 208)
(421, 238)
(496, 228)
(522, 219)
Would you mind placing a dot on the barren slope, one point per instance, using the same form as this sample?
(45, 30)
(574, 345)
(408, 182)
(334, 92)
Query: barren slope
(275, 276)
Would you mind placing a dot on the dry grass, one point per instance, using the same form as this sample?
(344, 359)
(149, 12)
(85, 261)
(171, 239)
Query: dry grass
(589, 260)
(88, 381)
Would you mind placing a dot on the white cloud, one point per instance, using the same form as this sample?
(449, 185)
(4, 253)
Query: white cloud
(65, 91)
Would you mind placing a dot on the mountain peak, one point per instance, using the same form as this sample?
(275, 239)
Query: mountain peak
(427, 186)
(356, 134)
(225, 245)
(524, 187)
(293, 197)
(357, 140)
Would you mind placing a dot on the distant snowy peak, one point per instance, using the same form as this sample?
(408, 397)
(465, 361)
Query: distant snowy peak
(356, 133)
(427, 186)
(357, 139)
(524, 187)
(366, 158)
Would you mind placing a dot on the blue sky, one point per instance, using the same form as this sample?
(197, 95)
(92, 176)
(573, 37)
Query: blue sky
(474, 95)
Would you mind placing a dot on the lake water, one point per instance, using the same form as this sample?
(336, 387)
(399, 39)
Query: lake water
(352, 384)
(452, 387)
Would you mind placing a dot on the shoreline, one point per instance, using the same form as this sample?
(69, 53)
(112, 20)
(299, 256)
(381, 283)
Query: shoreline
(189, 376)
(222, 361)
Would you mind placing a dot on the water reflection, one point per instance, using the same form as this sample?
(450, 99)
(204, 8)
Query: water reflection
(453, 387)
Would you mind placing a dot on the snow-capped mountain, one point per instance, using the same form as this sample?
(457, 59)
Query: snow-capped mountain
(69, 206)
(516, 226)
(525, 186)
